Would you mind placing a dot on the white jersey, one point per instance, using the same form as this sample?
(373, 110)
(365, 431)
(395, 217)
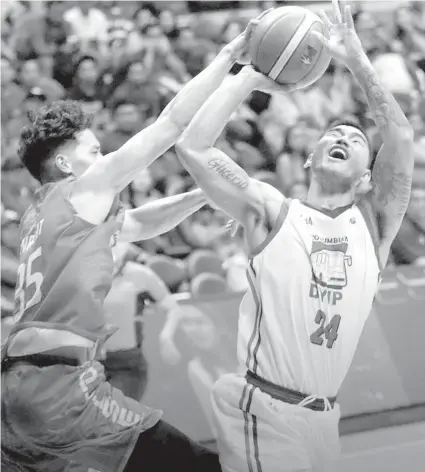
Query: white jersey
(312, 284)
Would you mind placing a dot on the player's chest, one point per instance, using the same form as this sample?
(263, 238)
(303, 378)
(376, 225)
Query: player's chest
(334, 250)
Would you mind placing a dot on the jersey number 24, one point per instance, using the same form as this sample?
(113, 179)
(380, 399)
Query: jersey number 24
(28, 280)
(329, 331)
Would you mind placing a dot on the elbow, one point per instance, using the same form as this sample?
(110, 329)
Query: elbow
(182, 145)
(406, 134)
(187, 145)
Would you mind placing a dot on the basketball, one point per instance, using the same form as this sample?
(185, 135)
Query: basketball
(283, 48)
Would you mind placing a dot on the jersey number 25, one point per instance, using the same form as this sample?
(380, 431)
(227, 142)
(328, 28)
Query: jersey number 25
(28, 280)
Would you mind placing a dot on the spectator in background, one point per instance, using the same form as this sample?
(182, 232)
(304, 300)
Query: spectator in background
(143, 17)
(35, 99)
(30, 76)
(299, 190)
(141, 190)
(17, 187)
(89, 25)
(139, 88)
(410, 35)
(88, 82)
(167, 21)
(203, 230)
(127, 121)
(134, 287)
(409, 245)
(28, 31)
(210, 355)
(193, 51)
(12, 95)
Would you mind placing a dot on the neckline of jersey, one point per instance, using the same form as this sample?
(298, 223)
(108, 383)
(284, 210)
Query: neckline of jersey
(334, 213)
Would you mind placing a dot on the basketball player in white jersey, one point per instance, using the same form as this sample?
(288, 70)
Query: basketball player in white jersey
(314, 268)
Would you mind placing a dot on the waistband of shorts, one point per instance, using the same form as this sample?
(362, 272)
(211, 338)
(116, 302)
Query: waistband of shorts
(287, 395)
(38, 360)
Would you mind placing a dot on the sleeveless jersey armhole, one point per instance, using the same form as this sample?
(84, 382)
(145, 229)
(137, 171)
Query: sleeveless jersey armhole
(366, 209)
(274, 230)
(117, 208)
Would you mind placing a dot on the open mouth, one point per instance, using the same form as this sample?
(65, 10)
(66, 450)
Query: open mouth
(338, 152)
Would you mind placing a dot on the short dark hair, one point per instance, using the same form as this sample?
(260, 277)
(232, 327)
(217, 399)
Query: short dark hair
(354, 124)
(50, 128)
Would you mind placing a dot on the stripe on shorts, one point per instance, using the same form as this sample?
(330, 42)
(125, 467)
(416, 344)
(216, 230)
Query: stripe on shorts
(251, 431)
(255, 340)
(292, 46)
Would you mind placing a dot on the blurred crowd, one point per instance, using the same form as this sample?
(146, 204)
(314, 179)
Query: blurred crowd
(124, 61)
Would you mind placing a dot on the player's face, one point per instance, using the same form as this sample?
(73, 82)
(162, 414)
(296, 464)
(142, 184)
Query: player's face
(342, 155)
(86, 152)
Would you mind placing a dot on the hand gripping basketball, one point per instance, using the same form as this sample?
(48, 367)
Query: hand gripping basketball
(343, 43)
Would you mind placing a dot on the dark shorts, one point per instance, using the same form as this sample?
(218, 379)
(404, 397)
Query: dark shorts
(127, 371)
(56, 414)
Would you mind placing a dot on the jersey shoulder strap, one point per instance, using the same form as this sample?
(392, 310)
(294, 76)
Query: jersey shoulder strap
(283, 213)
(371, 219)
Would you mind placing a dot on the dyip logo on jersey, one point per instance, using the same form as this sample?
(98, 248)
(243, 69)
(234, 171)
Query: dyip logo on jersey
(329, 262)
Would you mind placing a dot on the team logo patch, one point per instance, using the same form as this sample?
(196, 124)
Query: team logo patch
(308, 55)
(329, 263)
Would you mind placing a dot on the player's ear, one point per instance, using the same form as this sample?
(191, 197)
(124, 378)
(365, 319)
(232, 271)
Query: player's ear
(63, 164)
(308, 161)
(365, 182)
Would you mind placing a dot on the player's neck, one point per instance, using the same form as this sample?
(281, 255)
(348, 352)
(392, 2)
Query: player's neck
(322, 198)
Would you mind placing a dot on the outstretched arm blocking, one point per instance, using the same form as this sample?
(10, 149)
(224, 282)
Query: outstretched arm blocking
(160, 216)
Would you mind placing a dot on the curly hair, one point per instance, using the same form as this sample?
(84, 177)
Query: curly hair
(51, 127)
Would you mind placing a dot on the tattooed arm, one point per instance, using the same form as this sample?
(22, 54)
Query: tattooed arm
(225, 183)
(393, 169)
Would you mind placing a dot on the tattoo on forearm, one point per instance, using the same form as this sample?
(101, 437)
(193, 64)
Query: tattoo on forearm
(391, 186)
(383, 104)
(223, 169)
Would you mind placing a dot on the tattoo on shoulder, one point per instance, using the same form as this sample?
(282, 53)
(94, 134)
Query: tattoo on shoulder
(391, 186)
(224, 170)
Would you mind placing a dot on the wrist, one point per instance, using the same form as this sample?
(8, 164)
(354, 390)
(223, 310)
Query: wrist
(228, 54)
(353, 63)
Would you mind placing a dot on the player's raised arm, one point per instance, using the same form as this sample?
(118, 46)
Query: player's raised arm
(224, 182)
(111, 174)
(158, 217)
(393, 168)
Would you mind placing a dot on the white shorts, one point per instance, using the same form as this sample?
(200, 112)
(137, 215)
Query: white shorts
(257, 433)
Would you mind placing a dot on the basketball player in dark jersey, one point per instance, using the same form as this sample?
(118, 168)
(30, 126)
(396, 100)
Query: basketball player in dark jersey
(57, 406)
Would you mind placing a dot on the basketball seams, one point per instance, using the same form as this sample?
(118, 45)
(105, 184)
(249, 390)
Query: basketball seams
(284, 50)
(264, 38)
(322, 51)
(291, 48)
